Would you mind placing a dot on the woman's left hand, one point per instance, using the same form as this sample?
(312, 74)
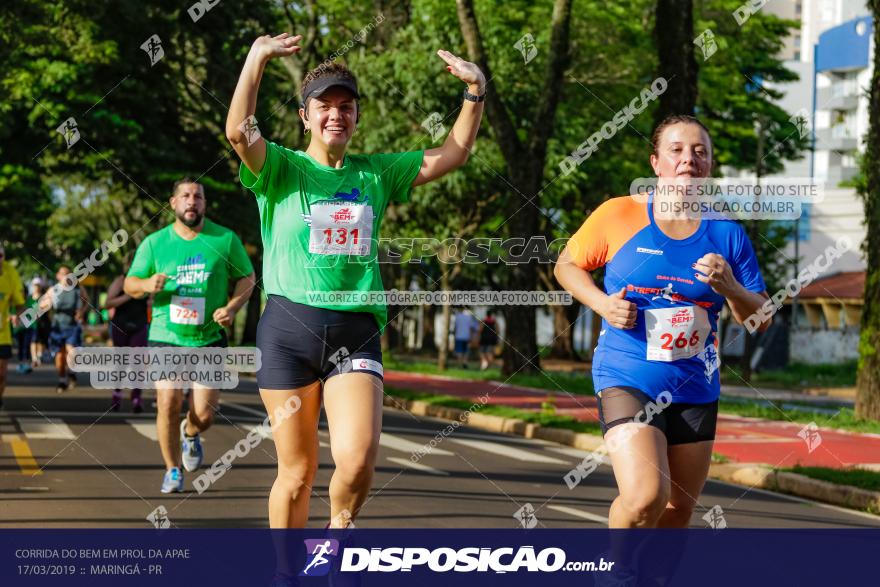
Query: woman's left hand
(466, 71)
(717, 274)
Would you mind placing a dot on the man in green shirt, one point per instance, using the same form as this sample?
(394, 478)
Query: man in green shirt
(321, 211)
(186, 267)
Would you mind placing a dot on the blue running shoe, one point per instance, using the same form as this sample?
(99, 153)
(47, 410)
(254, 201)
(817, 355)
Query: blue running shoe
(192, 449)
(173, 481)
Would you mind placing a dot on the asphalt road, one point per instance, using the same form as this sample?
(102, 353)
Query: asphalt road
(66, 461)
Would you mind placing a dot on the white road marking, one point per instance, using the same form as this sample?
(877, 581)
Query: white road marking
(508, 451)
(403, 445)
(417, 466)
(578, 453)
(579, 514)
(145, 428)
(43, 429)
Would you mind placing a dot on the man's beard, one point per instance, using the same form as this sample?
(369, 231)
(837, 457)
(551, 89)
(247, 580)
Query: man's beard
(196, 220)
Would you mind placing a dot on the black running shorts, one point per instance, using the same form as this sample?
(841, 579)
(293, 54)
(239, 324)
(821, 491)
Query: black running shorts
(681, 423)
(301, 344)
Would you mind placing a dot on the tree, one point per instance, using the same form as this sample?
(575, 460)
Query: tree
(674, 34)
(750, 131)
(524, 148)
(868, 380)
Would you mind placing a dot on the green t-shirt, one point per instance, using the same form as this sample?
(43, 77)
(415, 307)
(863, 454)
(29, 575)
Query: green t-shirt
(198, 273)
(320, 225)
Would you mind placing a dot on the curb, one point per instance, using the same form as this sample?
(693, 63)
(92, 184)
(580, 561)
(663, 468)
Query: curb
(765, 477)
(752, 475)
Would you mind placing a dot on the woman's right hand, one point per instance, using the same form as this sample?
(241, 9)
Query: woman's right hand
(618, 312)
(268, 47)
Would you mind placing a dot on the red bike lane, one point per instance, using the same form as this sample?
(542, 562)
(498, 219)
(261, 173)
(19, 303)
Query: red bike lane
(742, 440)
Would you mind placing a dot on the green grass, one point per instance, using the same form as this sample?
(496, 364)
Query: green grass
(543, 419)
(813, 375)
(844, 419)
(580, 384)
(855, 477)
(797, 376)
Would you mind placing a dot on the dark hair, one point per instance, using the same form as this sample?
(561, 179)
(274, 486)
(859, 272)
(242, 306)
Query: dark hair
(182, 181)
(671, 120)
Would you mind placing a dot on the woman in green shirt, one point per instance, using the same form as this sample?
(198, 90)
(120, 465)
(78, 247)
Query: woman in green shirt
(320, 214)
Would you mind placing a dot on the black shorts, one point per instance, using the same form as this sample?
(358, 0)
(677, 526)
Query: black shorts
(222, 342)
(5, 351)
(300, 344)
(681, 423)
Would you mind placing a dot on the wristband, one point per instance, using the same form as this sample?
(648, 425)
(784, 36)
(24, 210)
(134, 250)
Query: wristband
(472, 98)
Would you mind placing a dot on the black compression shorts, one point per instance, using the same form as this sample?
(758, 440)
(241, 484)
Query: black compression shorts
(301, 344)
(681, 423)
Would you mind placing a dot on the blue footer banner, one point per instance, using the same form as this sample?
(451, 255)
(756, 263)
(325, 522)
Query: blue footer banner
(460, 557)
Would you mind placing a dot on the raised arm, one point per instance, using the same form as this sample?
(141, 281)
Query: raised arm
(115, 296)
(456, 149)
(240, 122)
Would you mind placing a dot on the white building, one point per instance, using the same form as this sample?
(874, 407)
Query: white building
(831, 53)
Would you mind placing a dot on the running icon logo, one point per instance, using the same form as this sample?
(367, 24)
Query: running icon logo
(711, 361)
(70, 131)
(810, 434)
(715, 518)
(666, 293)
(526, 516)
(159, 518)
(319, 551)
(801, 120)
(250, 130)
(342, 359)
(526, 46)
(706, 43)
(434, 125)
(153, 48)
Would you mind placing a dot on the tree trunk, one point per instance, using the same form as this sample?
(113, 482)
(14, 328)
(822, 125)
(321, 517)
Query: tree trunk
(428, 331)
(520, 351)
(868, 380)
(674, 33)
(443, 355)
(564, 318)
(520, 343)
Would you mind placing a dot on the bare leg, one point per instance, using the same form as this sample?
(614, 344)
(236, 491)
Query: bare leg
(688, 467)
(642, 473)
(353, 402)
(296, 442)
(203, 404)
(168, 404)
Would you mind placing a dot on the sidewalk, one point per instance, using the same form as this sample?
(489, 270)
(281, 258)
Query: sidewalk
(742, 440)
